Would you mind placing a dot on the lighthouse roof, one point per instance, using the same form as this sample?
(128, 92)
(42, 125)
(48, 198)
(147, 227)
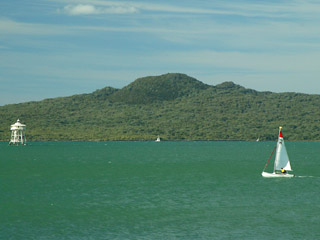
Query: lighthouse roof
(17, 125)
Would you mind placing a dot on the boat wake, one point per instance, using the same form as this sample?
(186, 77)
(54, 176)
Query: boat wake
(307, 176)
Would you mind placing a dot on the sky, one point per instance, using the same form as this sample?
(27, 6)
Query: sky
(54, 48)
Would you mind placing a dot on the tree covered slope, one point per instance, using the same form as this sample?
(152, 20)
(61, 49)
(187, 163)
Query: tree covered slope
(174, 106)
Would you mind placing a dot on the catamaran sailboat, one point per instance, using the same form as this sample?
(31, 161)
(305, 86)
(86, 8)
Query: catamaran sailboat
(281, 162)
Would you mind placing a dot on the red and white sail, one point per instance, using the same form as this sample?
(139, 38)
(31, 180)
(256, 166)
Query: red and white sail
(282, 158)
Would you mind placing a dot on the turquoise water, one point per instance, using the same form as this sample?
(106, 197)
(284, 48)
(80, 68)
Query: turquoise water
(148, 190)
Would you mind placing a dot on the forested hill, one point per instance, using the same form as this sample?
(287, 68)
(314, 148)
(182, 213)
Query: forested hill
(174, 106)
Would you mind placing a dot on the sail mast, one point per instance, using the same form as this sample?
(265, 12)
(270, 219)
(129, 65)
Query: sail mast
(277, 152)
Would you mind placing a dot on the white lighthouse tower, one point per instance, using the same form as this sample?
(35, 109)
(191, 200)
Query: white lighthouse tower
(18, 135)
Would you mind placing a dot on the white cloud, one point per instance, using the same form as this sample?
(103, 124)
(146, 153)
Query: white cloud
(86, 9)
(80, 9)
(120, 10)
(295, 8)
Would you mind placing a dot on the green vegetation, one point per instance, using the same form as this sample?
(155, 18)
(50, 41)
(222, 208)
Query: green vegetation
(174, 106)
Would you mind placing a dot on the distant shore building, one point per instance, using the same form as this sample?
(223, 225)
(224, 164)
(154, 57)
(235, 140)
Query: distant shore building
(18, 135)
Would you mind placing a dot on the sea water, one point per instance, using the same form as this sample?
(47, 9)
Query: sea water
(157, 190)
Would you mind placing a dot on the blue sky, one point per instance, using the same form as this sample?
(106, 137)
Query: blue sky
(52, 48)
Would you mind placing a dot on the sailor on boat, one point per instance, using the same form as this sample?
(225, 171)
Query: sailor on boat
(283, 171)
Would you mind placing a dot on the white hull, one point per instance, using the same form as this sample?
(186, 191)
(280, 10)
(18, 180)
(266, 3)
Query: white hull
(272, 175)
